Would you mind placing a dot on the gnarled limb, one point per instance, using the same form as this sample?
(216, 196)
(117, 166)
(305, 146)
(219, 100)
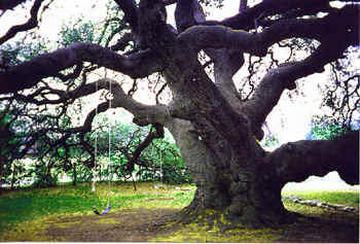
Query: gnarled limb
(122, 42)
(247, 19)
(144, 114)
(27, 74)
(131, 12)
(156, 132)
(31, 23)
(269, 91)
(199, 37)
(296, 161)
(10, 4)
(168, 2)
(226, 62)
(243, 6)
(188, 13)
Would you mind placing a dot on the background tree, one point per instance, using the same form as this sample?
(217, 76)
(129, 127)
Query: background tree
(216, 126)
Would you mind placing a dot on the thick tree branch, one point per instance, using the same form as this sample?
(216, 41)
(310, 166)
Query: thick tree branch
(247, 19)
(168, 2)
(298, 160)
(226, 62)
(10, 4)
(188, 13)
(269, 91)
(243, 6)
(27, 74)
(122, 42)
(156, 132)
(343, 22)
(31, 23)
(143, 114)
(131, 12)
(344, 34)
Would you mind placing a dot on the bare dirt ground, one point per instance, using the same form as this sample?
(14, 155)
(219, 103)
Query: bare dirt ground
(145, 224)
(337, 227)
(125, 226)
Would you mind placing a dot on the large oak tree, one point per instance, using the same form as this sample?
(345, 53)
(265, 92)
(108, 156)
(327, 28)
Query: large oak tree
(216, 129)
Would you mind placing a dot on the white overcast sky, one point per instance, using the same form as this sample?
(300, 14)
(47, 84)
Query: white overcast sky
(289, 121)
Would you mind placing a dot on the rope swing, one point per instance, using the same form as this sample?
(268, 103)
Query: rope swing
(95, 175)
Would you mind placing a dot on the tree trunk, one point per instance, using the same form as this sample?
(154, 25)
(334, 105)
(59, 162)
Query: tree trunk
(2, 174)
(13, 177)
(74, 181)
(244, 193)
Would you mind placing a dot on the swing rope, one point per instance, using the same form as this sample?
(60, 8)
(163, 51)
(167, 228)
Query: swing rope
(110, 134)
(94, 171)
(108, 207)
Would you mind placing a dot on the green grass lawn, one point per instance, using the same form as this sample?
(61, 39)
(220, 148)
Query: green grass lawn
(349, 197)
(29, 204)
(20, 207)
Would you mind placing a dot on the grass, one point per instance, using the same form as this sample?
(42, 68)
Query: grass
(350, 198)
(30, 204)
(24, 212)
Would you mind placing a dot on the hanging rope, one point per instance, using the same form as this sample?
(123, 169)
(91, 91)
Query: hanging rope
(94, 171)
(108, 207)
(110, 130)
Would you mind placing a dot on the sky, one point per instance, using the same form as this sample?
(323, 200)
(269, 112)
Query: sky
(289, 121)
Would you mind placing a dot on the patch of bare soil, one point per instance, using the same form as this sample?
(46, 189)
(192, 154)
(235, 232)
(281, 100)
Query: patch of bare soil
(144, 224)
(126, 226)
(334, 227)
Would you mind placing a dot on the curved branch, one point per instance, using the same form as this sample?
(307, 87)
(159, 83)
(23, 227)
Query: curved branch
(10, 4)
(343, 22)
(298, 160)
(122, 42)
(247, 18)
(188, 13)
(271, 87)
(27, 74)
(243, 6)
(143, 114)
(158, 132)
(168, 2)
(131, 12)
(31, 23)
(226, 62)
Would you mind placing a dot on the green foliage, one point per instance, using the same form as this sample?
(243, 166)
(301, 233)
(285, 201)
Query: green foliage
(160, 161)
(10, 171)
(6, 136)
(168, 162)
(14, 173)
(322, 130)
(79, 31)
(18, 52)
(270, 141)
(90, 32)
(43, 176)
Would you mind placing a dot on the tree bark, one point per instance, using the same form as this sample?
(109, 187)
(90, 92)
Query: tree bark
(246, 193)
(74, 181)
(249, 192)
